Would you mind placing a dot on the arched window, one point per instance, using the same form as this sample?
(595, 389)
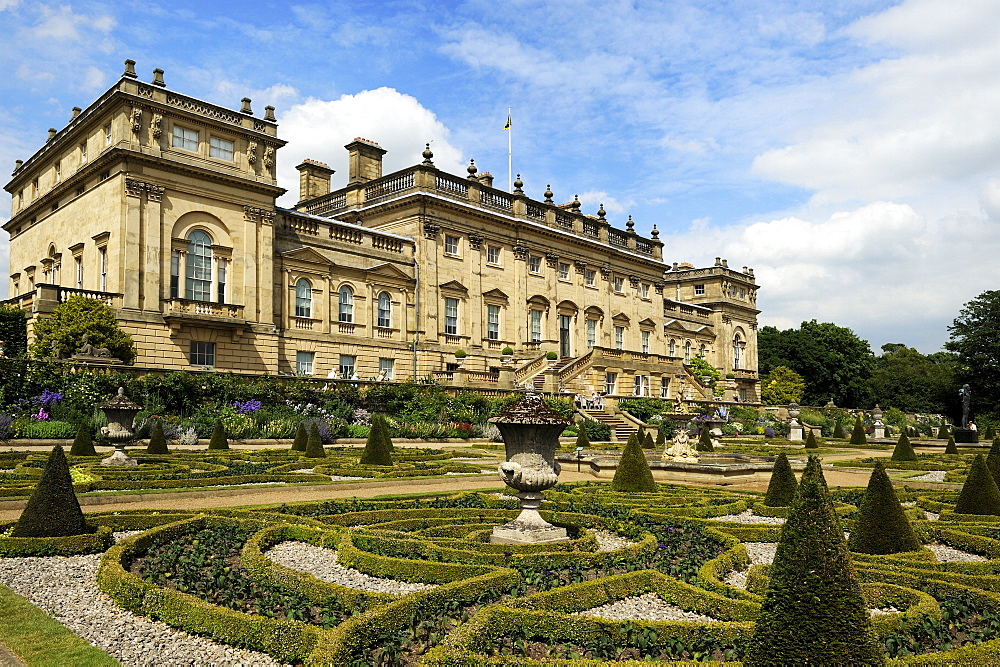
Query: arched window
(701, 350)
(346, 301)
(303, 298)
(737, 350)
(687, 350)
(673, 347)
(384, 310)
(199, 267)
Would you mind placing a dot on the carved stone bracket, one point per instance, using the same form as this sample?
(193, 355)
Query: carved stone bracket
(136, 119)
(134, 188)
(726, 319)
(252, 152)
(155, 126)
(254, 214)
(658, 287)
(581, 267)
(431, 231)
(268, 156)
(634, 281)
(520, 252)
(605, 272)
(551, 259)
(753, 325)
(475, 241)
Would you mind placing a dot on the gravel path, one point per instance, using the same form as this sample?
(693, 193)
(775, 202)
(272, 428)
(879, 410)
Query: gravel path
(648, 607)
(323, 564)
(932, 476)
(760, 553)
(946, 554)
(931, 516)
(609, 541)
(749, 517)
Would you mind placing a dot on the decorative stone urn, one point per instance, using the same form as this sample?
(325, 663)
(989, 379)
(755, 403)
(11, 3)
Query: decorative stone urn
(121, 413)
(530, 431)
(795, 431)
(878, 427)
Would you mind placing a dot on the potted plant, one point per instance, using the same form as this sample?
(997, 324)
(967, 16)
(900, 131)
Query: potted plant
(506, 354)
(459, 357)
(551, 356)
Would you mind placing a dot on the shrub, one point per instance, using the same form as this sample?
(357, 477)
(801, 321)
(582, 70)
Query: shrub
(644, 409)
(582, 440)
(942, 432)
(993, 460)
(881, 526)
(633, 473)
(301, 438)
(813, 611)
(951, 448)
(858, 436)
(596, 431)
(781, 488)
(661, 438)
(83, 445)
(460, 354)
(52, 509)
(157, 440)
(377, 448)
(551, 356)
(314, 447)
(903, 451)
(63, 332)
(704, 441)
(647, 441)
(507, 351)
(838, 431)
(219, 439)
(811, 440)
(980, 494)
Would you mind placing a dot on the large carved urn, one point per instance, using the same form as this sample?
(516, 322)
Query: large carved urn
(530, 432)
(120, 430)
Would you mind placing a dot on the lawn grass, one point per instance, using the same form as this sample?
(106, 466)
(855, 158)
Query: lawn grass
(40, 640)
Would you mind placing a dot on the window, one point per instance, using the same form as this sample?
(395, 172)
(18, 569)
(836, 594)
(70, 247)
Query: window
(619, 338)
(591, 333)
(384, 310)
(220, 274)
(198, 286)
(619, 284)
(386, 368)
(672, 347)
(220, 148)
(175, 271)
(610, 383)
(34, 187)
(58, 170)
(645, 290)
(534, 264)
(83, 152)
(743, 395)
(107, 134)
(451, 245)
(79, 190)
(493, 322)
(737, 350)
(536, 325)
(699, 289)
(105, 175)
(590, 277)
(348, 366)
(645, 342)
(202, 354)
(743, 293)
(345, 300)
(687, 351)
(185, 138)
(451, 316)
(493, 254)
(79, 272)
(641, 386)
(304, 363)
(701, 350)
(303, 298)
(103, 256)
(664, 387)
(563, 271)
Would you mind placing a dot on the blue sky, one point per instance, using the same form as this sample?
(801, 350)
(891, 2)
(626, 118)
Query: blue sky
(847, 150)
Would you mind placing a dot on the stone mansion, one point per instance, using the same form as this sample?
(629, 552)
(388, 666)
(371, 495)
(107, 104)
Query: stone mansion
(163, 206)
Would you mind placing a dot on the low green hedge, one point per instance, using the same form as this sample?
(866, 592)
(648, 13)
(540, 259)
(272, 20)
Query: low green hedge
(711, 574)
(88, 543)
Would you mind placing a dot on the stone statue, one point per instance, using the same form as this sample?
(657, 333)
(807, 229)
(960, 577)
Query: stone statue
(89, 350)
(966, 393)
(681, 451)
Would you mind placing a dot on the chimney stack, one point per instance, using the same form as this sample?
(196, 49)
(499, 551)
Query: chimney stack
(314, 179)
(365, 160)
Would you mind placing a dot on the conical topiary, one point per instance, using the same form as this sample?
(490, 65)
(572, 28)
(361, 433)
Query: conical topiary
(633, 473)
(157, 440)
(980, 494)
(838, 431)
(951, 448)
(781, 488)
(581, 438)
(52, 509)
(942, 432)
(219, 440)
(314, 447)
(377, 446)
(83, 445)
(704, 441)
(990, 433)
(301, 438)
(647, 441)
(993, 460)
(661, 437)
(881, 526)
(903, 451)
(813, 611)
(858, 436)
(811, 440)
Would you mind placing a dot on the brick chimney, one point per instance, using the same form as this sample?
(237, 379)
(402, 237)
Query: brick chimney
(486, 178)
(365, 160)
(314, 179)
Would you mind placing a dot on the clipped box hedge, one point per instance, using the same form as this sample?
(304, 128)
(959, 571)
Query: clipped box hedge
(88, 543)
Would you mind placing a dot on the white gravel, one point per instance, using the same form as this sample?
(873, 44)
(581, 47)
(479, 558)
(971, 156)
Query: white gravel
(609, 541)
(761, 553)
(323, 564)
(946, 554)
(344, 478)
(931, 516)
(932, 476)
(749, 517)
(647, 607)
(881, 611)
(64, 586)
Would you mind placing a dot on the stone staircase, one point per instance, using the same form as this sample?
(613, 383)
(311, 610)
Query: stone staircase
(539, 380)
(620, 428)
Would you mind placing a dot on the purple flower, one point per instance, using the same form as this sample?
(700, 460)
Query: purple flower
(253, 405)
(48, 397)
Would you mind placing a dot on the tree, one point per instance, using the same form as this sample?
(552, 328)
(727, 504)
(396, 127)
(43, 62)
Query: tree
(782, 386)
(980, 494)
(881, 526)
(704, 441)
(314, 445)
(975, 336)
(62, 332)
(157, 440)
(906, 379)
(858, 436)
(832, 360)
(301, 438)
(219, 439)
(52, 509)
(633, 473)
(83, 445)
(378, 448)
(781, 488)
(811, 442)
(903, 450)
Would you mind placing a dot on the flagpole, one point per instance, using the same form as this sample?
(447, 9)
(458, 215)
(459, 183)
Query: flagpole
(510, 159)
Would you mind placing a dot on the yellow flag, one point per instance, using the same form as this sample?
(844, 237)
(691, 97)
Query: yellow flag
(507, 126)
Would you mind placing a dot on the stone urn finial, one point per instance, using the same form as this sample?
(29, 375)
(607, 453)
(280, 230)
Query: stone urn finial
(121, 412)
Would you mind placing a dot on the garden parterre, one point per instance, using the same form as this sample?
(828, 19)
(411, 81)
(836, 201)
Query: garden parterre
(208, 573)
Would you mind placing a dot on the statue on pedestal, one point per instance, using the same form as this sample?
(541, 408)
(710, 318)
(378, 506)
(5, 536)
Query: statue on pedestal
(681, 451)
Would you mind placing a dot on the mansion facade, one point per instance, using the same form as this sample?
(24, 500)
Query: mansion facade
(164, 207)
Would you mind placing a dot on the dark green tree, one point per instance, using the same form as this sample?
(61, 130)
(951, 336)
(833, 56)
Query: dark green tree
(858, 436)
(301, 438)
(581, 438)
(704, 441)
(906, 379)
(811, 442)
(813, 611)
(377, 448)
(157, 440)
(782, 386)
(647, 441)
(881, 526)
(219, 439)
(14, 334)
(904, 450)
(62, 332)
(83, 445)
(52, 509)
(781, 488)
(633, 473)
(661, 438)
(314, 446)
(975, 336)
(980, 494)
(993, 460)
(950, 448)
(838, 432)
(942, 433)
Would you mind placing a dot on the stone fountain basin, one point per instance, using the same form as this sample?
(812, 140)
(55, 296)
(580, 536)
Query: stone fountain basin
(712, 467)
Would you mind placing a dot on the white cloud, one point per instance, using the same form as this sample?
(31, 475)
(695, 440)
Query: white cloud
(319, 130)
(63, 24)
(9, 4)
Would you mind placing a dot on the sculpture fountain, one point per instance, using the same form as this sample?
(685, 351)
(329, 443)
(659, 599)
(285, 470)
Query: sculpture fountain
(121, 413)
(530, 433)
